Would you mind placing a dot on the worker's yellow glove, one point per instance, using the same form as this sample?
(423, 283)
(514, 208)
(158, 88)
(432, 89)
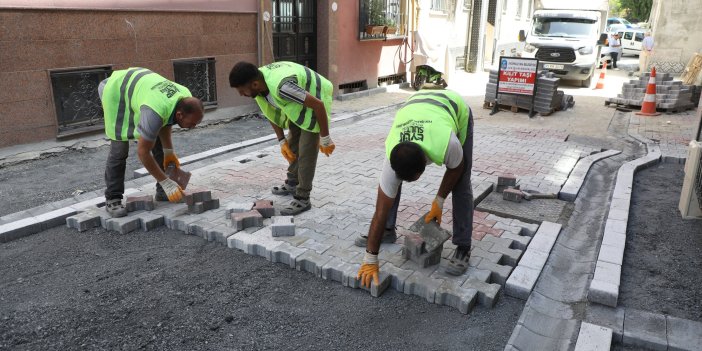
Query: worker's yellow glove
(170, 157)
(172, 189)
(326, 145)
(437, 208)
(286, 151)
(369, 270)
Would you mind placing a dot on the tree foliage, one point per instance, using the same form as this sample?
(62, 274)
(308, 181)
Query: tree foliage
(636, 10)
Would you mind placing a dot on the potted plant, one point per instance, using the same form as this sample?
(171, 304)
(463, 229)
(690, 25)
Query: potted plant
(390, 27)
(376, 17)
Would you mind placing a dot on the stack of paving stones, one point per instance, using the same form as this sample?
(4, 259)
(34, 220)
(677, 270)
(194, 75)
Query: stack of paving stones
(425, 243)
(547, 100)
(671, 95)
(201, 201)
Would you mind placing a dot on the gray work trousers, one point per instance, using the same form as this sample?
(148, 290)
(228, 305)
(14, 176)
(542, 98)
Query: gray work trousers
(461, 199)
(117, 164)
(301, 171)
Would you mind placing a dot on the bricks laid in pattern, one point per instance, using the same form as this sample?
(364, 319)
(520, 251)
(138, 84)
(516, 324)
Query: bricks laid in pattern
(344, 201)
(243, 220)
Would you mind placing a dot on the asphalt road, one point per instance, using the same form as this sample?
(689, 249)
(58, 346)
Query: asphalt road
(163, 290)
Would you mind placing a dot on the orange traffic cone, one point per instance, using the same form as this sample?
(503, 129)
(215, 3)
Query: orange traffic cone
(648, 108)
(600, 82)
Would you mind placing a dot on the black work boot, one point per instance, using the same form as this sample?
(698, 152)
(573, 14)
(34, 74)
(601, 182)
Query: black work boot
(458, 264)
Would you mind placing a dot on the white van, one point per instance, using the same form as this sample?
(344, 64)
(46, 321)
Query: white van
(631, 40)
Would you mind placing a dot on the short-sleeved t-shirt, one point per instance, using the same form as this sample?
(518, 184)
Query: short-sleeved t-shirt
(389, 182)
(150, 122)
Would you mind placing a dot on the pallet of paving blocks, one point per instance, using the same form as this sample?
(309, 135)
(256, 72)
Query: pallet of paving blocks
(671, 95)
(547, 100)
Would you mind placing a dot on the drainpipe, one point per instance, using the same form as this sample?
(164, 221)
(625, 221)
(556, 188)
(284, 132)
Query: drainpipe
(259, 33)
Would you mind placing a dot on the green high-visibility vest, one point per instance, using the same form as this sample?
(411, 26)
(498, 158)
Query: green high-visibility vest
(127, 90)
(277, 73)
(428, 118)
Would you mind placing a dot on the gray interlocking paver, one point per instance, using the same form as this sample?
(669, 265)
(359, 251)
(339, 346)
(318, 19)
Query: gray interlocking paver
(593, 338)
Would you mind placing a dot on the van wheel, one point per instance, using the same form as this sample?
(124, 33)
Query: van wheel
(586, 83)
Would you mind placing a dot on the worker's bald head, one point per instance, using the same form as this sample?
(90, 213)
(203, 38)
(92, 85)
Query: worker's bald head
(189, 112)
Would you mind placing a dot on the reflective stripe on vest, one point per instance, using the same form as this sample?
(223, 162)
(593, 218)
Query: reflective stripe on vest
(276, 74)
(122, 107)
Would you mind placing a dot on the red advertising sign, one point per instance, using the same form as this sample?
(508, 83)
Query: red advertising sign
(517, 76)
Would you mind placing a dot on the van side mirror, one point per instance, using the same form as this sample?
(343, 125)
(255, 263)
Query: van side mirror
(522, 36)
(603, 39)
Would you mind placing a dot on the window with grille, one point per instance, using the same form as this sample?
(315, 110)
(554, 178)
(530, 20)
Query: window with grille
(76, 99)
(441, 5)
(198, 75)
(380, 19)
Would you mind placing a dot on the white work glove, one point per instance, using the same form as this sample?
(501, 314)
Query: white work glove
(172, 189)
(326, 145)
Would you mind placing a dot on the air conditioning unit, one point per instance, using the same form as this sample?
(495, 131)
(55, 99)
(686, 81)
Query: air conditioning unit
(691, 196)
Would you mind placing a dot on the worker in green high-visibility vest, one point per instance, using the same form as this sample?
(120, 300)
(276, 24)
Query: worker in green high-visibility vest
(433, 126)
(295, 97)
(143, 106)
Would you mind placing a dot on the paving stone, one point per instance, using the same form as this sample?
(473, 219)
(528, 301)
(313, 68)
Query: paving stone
(123, 225)
(265, 208)
(179, 176)
(534, 259)
(286, 254)
(507, 180)
(487, 292)
(603, 292)
(593, 338)
(608, 272)
(385, 280)
(683, 334)
(420, 285)
(236, 207)
(611, 254)
(432, 234)
(283, 226)
(513, 195)
(520, 242)
(149, 221)
(645, 329)
(499, 272)
(480, 274)
(426, 259)
(312, 262)
(83, 221)
(315, 246)
(194, 197)
(399, 275)
(199, 228)
(181, 222)
(348, 256)
(521, 282)
(243, 220)
(414, 244)
(453, 295)
(139, 203)
(55, 217)
(493, 257)
(609, 317)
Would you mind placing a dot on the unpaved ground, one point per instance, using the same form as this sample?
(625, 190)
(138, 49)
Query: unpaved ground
(98, 290)
(37, 182)
(662, 260)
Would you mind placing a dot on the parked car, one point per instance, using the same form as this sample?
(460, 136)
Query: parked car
(631, 40)
(615, 24)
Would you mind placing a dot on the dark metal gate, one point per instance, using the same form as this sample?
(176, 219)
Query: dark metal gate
(295, 31)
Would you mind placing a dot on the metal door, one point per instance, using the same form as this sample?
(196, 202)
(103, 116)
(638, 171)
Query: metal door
(295, 31)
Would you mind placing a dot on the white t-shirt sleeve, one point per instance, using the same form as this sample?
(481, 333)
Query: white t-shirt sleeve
(389, 182)
(150, 123)
(454, 152)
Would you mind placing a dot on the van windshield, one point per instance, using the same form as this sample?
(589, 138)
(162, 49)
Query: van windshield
(563, 27)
